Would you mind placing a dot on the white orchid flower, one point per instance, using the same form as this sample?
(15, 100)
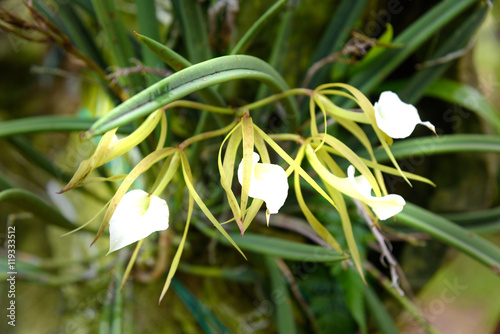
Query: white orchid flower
(396, 118)
(268, 183)
(385, 206)
(137, 215)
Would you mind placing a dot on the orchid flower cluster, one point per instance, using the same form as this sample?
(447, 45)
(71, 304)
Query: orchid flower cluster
(133, 215)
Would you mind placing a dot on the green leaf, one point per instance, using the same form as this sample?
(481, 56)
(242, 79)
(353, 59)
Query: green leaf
(453, 43)
(412, 37)
(192, 79)
(205, 318)
(442, 229)
(285, 249)
(482, 221)
(337, 31)
(117, 309)
(467, 97)
(385, 38)
(407, 304)
(245, 41)
(440, 145)
(39, 160)
(105, 318)
(194, 29)
(378, 311)
(177, 63)
(30, 202)
(67, 19)
(174, 60)
(146, 12)
(352, 287)
(46, 124)
(117, 40)
(281, 298)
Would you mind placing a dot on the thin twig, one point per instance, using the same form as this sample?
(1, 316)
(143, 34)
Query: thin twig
(348, 49)
(386, 256)
(139, 68)
(448, 57)
(57, 72)
(53, 34)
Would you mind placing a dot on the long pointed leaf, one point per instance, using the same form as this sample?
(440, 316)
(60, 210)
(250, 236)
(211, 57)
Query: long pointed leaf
(192, 79)
(284, 313)
(442, 145)
(465, 96)
(285, 249)
(412, 37)
(34, 204)
(452, 234)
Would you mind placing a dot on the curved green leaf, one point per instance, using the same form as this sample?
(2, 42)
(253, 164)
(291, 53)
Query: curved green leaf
(451, 234)
(441, 59)
(194, 29)
(117, 40)
(412, 37)
(335, 34)
(169, 56)
(482, 221)
(45, 124)
(205, 318)
(192, 79)
(244, 42)
(145, 11)
(441, 145)
(288, 250)
(378, 312)
(465, 96)
(177, 63)
(34, 204)
(284, 314)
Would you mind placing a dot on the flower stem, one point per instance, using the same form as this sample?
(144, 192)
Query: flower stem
(273, 98)
(287, 136)
(206, 135)
(200, 106)
(131, 264)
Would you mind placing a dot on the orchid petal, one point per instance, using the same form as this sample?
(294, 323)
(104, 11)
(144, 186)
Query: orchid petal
(396, 118)
(385, 206)
(137, 215)
(268, 183)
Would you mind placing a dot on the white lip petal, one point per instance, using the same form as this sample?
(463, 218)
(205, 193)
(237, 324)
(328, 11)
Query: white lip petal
(396, 118)
(268, 183)
(385, 206)
(137, 215)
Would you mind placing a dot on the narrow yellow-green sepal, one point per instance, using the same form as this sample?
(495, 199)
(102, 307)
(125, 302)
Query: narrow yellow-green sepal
(226, 169)
(311, 219)
(189, 184)
(178, 253)
(293, 165)
(248, 144)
